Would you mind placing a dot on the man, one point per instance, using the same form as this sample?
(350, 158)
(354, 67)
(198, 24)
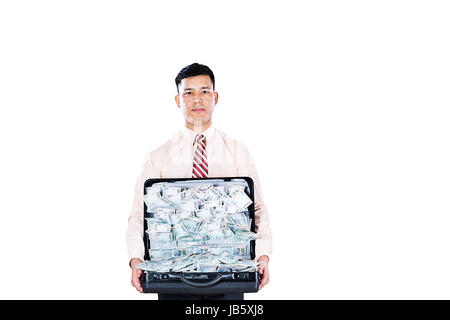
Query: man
(198, 150)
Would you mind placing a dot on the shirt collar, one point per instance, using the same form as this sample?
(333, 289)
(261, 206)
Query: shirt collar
(208, 133)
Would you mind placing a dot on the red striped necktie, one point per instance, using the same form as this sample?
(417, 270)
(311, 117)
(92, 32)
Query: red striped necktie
(200, 165)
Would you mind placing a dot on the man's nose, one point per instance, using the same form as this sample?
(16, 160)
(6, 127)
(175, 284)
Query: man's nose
(197, 98)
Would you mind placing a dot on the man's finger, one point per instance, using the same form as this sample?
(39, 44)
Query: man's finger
(135, 280)
(265, 279)
(261, 282)
(261, 267)
(137, 285)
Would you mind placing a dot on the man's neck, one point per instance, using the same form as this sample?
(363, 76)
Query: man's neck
(198, 127)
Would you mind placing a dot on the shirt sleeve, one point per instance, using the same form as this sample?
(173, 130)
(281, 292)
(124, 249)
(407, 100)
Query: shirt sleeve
(135, 230)
(247, 167)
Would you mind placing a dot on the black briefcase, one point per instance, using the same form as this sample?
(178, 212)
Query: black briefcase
(200, 282)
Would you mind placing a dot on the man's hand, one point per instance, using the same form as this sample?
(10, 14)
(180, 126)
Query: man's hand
(263, 269)
(136, 274)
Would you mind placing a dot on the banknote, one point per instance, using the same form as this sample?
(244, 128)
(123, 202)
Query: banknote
(160, 240)
(205, 213)
(241, 200)
(158, 225)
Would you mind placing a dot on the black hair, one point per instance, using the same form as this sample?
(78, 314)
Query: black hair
(193, 70)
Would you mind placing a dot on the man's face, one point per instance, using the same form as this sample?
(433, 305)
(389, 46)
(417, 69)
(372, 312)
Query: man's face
(197, 99)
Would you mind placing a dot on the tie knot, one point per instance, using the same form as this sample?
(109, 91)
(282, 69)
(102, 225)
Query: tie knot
(201, 138)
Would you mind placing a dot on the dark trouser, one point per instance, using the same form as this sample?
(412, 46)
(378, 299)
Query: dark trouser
(225, 296)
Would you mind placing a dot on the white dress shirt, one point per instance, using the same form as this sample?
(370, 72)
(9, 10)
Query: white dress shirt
(226, 157)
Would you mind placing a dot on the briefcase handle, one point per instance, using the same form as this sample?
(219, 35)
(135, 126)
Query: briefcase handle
(202, 284)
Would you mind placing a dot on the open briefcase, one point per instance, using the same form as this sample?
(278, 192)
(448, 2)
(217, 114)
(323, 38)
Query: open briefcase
(201, 281)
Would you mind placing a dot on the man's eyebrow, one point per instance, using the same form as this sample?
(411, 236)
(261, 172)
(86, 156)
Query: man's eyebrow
(186, 89)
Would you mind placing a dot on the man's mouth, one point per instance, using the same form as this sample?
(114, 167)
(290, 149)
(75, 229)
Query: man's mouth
(198, 110)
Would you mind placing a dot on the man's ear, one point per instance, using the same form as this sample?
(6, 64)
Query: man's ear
(216, 96)
(177, 100)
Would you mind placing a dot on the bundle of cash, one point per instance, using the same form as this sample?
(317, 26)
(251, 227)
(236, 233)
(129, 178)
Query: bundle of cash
(199, 226)
(201, 262)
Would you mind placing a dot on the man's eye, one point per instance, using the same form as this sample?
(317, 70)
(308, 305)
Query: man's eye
(186, 93)
(205, 91)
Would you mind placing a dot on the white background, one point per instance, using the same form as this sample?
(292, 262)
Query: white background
(344, 106)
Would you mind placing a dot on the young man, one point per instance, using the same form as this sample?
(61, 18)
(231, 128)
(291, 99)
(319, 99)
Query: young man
(198, 150)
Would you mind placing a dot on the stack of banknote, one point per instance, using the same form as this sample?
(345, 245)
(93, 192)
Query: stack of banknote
(199, 226)
(201, 262)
